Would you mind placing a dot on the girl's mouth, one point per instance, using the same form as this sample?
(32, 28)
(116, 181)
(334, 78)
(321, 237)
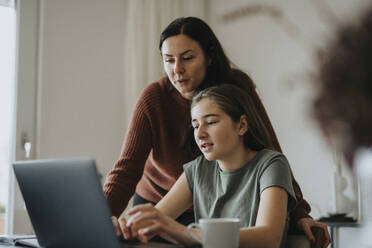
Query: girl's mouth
(206, 147)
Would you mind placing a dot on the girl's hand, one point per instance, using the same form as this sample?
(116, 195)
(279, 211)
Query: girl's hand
(121, 227)
(305, 224)
(147, 221)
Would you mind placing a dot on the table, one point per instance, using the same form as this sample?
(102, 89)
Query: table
(333, 226)
(121, 245)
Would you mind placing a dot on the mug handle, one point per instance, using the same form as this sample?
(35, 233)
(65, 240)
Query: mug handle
(190, 233)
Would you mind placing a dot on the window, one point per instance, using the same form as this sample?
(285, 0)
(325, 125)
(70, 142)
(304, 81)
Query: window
(7, 88)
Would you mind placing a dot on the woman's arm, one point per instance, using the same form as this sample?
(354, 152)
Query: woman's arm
(121, 181)
(270, 222)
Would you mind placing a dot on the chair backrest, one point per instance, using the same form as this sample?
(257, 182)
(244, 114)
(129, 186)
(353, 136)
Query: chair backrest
(301, 241)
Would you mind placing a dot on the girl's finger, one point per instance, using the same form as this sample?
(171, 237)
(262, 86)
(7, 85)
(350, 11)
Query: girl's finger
(140, 219)
(140, 207)
(116, 224)
(124, 229)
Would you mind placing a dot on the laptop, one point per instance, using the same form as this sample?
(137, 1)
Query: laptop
(66, 204)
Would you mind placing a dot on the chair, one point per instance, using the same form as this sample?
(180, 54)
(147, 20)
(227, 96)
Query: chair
(301, 241)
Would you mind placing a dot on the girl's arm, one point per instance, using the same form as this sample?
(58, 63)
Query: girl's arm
(177, 200)
(270, 222)
(147, 220)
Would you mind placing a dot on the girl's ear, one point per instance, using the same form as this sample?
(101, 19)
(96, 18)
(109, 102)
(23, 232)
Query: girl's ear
(243, 125)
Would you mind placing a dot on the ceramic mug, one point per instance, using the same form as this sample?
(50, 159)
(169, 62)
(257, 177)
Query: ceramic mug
(217, 232)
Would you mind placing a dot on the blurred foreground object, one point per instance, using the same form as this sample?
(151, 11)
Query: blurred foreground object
(343, 106)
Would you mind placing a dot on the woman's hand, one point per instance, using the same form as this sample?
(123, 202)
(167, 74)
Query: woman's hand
(147, 221)
(305, 224)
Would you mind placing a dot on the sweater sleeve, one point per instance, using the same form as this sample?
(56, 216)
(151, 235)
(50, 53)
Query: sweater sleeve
(302, 208)
(121, 181)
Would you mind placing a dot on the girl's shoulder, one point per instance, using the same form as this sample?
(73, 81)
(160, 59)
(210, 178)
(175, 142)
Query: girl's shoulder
(199, 164)
(267, 157)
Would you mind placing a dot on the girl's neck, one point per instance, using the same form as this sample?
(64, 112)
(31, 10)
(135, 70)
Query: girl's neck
(238, 160)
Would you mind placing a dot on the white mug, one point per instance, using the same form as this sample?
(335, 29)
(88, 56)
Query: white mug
(217, 232)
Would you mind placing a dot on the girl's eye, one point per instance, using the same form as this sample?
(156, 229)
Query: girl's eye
(211, 122)
(169, 60)
(195, 127)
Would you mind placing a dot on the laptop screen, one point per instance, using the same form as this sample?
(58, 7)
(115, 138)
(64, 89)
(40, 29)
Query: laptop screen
(65, 202)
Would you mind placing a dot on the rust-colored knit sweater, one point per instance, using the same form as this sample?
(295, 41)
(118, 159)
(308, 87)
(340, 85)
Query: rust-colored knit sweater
(153, 152)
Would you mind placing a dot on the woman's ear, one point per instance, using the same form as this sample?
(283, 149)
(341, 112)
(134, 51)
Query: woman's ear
(243, 125)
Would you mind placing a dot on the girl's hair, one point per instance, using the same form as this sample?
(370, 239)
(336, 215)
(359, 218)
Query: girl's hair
(235, 103)
(219, 69)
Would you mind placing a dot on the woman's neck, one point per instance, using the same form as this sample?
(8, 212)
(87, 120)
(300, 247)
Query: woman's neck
(238, 160)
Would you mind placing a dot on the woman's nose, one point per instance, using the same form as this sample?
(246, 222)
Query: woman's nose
(178, 67)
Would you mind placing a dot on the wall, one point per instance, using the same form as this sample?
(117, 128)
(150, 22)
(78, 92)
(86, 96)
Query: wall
(80, 110)
(70, 85)
(86, 70)
(278, 51)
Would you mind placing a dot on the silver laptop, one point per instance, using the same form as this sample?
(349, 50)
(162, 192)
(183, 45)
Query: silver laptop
(66, 204)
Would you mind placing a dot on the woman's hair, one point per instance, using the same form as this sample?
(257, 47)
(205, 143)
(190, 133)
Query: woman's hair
(219, 70)
(235, 103)
(344, 104)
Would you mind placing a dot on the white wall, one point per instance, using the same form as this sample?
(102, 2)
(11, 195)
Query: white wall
(93, 68)
(84, 76)
(81, 110)
(279, 55)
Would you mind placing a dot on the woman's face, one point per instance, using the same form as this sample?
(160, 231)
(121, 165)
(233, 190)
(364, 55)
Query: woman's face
(185, 63)
(218, 137)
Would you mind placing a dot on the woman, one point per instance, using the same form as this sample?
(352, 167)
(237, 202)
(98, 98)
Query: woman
(154, 149)
(237, 176)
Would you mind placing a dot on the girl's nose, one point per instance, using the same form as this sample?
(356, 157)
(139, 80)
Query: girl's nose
(201, 133)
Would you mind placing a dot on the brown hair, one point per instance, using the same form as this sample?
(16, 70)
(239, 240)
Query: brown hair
(199, 31)
(235, 103)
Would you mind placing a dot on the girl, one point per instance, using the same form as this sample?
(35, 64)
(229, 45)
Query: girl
(238, 175)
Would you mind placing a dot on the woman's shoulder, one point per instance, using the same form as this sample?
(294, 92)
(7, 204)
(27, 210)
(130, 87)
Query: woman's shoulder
(242, 79)
(155, 88)
(154, 94)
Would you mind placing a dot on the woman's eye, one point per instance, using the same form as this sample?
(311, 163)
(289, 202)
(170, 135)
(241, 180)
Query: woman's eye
(195, 127)
(188, 58)
(169, 60)
(211, 122)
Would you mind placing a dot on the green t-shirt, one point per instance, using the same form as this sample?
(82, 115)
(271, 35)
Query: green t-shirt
(237, 193)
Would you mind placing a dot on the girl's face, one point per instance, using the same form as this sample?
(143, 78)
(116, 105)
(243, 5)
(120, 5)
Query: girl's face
(185, 63)
(218, 137)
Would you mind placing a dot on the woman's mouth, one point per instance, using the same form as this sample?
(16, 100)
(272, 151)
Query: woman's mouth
(182, 81)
